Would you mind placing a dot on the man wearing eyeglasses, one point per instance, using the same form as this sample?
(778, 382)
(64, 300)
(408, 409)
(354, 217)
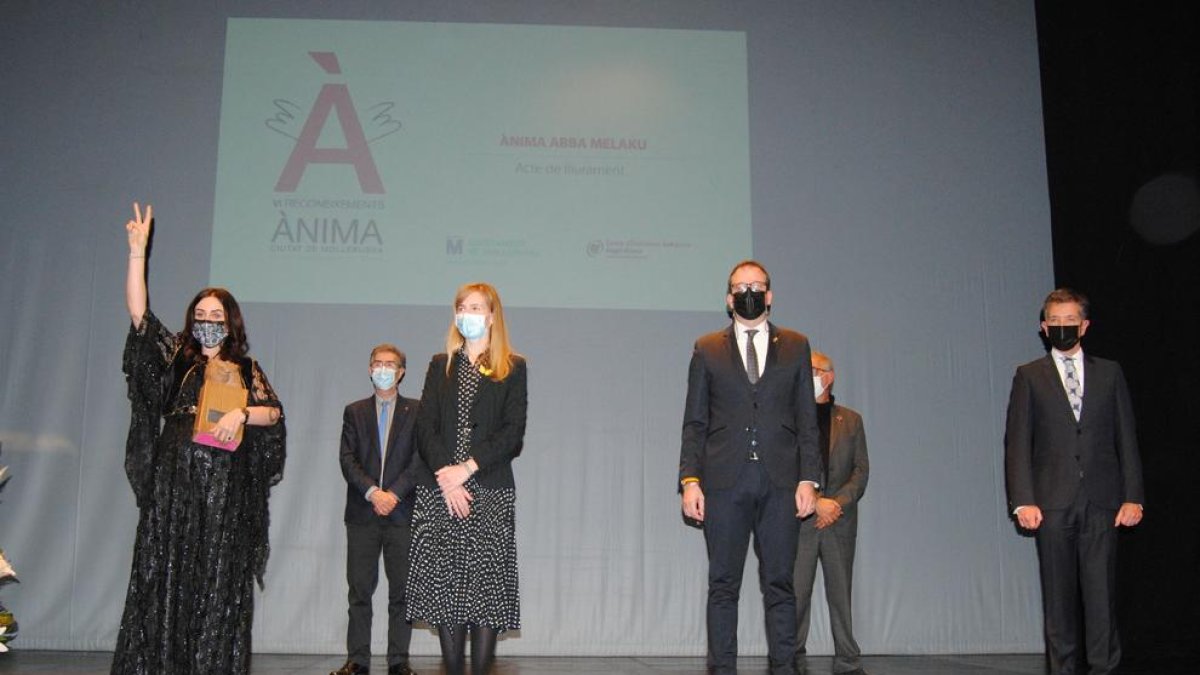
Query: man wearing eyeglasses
(1074, 477)
(749, 463)
(380, 464)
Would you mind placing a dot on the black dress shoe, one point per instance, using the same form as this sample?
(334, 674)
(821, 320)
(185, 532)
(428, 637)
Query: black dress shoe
(400, 669)
(351, 668)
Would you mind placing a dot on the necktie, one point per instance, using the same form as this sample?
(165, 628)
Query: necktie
(383, 420)
(751, 357)
(1071, 381)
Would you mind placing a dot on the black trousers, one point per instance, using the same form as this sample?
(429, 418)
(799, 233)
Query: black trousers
(752, 506)
(364, 544)
(1077, 556)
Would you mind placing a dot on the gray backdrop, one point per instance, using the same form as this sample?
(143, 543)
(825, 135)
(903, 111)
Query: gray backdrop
(899, 201)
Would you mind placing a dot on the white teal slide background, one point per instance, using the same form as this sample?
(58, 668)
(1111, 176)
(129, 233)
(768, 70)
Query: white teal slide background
(569, 166)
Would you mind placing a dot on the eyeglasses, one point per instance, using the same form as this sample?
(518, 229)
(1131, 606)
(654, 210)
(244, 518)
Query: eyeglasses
(385, 364)
(821, 371)
(757, 287)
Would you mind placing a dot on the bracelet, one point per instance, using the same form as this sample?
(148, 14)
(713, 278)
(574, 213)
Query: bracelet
(135, 257)
(246, 412)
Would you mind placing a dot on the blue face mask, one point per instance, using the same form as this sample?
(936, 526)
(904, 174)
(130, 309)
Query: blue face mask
(471, 326)
(383, 378)
(209, 333)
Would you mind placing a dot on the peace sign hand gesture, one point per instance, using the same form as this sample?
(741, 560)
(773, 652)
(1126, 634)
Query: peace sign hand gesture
(138, 229)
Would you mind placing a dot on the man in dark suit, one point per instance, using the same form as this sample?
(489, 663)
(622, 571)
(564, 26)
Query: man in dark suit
(380, 463)
(1074, 476)
(749, 463)
(831, 534)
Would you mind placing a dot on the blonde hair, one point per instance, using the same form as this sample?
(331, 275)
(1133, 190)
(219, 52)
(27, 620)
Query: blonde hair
(498, 357)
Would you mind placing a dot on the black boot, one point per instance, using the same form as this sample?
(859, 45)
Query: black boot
(453, 640)
(483, 649)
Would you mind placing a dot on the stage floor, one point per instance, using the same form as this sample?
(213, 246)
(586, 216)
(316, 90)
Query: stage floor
(97, 663)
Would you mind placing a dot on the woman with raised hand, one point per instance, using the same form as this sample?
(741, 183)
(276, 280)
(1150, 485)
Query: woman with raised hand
(202, 526)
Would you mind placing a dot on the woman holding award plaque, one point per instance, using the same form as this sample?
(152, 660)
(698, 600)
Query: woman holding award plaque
(205, 445)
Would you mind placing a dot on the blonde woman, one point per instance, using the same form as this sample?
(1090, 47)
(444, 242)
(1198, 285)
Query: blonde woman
(470, 428)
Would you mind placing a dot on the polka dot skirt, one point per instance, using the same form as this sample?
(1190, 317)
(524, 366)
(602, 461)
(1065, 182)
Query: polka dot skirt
(464, 571)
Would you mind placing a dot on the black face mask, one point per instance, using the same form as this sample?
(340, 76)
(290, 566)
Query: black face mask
(1063, 338)
(750, 304)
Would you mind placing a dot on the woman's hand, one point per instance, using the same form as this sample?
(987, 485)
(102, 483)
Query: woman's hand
(452, 476)
(458, 502)
(138, 229)
(227, 427)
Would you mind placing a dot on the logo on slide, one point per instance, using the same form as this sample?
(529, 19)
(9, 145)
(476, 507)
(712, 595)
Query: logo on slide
(333, 99)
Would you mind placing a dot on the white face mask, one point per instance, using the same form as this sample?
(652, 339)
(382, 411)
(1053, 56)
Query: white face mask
(818, 386)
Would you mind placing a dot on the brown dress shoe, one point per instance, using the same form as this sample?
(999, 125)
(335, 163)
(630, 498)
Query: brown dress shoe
(351, 668)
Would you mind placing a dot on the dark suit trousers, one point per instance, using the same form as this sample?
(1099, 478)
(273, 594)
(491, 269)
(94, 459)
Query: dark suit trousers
(365, 543)
(1077, 553)
(834, 547)
(751, 506)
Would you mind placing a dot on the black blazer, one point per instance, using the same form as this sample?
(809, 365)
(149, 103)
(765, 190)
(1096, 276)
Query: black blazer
(497, 423)
(848, 470)
(1049, 457)
(359, 457)
(724, 413)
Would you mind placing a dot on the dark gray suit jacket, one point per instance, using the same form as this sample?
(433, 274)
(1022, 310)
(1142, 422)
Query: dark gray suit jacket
(359, 457)
(1049, 457)
(723, 412)
(849, 468)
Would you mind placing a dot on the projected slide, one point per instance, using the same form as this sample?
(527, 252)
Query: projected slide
(389, 162)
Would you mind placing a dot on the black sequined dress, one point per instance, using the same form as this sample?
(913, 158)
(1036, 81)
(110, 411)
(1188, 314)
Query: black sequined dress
(203, 517)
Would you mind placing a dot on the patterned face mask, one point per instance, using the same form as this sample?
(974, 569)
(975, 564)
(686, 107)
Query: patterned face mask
(209, 333)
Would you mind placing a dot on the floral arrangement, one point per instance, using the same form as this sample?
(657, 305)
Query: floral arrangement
(8, 625)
